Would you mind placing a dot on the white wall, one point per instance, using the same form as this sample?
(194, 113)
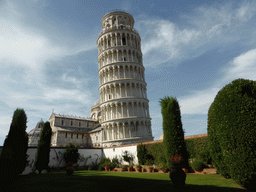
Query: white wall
(57, 159)
(118, 151)
(89, 156)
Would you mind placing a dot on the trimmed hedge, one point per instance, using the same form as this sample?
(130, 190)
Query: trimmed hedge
(232, 132)
(196, 147)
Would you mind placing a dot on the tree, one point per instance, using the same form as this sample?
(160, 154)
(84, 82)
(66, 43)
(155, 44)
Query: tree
(232, 132)
(43, 148)
(173, 133)
(13, 159)
(71, 154)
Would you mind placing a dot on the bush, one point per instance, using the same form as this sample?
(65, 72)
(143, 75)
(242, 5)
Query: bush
(71, 154)
(124, 167)
(205, 156)
(232, 132)
(198, 165)
(141, 153)
(104, 160)
(112, 166)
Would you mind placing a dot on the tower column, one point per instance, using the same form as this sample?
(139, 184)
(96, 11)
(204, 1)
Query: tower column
(122, 109)
(123, 131)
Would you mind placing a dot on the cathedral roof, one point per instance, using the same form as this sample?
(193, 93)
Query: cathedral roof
(97, 128)
(72, 117)
(73, 129)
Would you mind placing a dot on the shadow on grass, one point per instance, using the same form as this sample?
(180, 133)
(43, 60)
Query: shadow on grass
(100, 181)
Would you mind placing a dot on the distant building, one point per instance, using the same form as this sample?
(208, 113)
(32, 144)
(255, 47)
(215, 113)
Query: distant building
(34, 134)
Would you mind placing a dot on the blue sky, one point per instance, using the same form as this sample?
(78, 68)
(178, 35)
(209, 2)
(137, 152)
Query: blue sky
(191, 49)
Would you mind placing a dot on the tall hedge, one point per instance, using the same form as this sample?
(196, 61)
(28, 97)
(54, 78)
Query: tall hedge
(43, 148)
(232, 132)
(13, 159)
(173, 132)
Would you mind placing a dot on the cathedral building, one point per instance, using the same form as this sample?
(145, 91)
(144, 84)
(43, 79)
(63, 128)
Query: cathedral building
(121, 115)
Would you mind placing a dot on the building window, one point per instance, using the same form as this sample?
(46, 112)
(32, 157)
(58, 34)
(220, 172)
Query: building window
(82, 136)
(77, 136)
(71, 135)
(62, 122)
(71, 123)
(109, 97)
(66, 135)
(79, 124)
(96, 138)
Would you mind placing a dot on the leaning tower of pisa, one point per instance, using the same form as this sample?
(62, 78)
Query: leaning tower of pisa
(123, 100)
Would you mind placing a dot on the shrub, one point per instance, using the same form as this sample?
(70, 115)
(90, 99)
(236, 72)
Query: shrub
(198, 165)
(104, 160)
(43, 149)
(173, 132)
(112, 165)
(115, 160)
(124, 167)
(141, 153)
(71, 154)
(205, 156)
(232, 132)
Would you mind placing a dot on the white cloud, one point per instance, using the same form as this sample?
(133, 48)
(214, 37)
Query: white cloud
(242, 66)
(166, 41)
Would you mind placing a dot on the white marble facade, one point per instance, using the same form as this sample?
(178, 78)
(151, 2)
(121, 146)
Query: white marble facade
(124, 105)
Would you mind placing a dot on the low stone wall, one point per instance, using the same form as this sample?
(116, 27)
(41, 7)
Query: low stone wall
(89, 156)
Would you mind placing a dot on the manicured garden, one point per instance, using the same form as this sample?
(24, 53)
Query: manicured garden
(119, 181)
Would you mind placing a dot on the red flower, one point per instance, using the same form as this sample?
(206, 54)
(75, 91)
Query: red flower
(70, 163)
(176, 159)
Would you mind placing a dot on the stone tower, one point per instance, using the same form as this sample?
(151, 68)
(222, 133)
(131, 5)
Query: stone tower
(123, 100)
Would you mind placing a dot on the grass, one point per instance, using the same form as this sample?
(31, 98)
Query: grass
(93, 181)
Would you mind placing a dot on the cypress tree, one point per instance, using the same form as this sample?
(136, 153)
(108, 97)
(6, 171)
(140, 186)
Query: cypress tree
(173, 133)
(43, 149)
(13, 159)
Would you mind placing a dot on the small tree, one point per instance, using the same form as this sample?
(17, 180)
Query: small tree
(71, 154)
(173, 132)
(43, 149)
(128, 158)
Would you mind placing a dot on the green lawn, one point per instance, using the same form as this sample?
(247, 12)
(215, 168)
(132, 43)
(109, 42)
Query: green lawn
(120, 181)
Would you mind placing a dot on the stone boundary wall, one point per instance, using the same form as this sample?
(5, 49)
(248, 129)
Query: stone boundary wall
(90, 156)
